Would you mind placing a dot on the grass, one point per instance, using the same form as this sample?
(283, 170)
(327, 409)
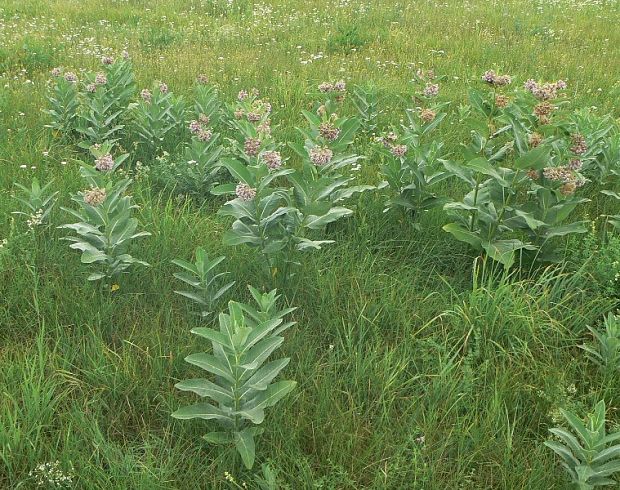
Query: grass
(398, 336)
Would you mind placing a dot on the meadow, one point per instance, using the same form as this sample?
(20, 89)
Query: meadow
(433, 188)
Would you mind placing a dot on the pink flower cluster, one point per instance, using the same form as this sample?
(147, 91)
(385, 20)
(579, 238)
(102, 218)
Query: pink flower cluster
(496, 80)
(321, 155)
(245, 192)
(544, 91)
(272, 159)
(200, 129)
(104, 163)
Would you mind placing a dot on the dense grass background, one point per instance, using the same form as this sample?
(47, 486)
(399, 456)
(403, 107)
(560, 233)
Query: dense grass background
(397, 337)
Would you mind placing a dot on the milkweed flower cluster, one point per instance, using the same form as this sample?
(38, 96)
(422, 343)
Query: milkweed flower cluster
(104, 163)
(200, 129)
(101, 79)
(544, 91)
(163, 88)
(579, 144)
(321, 155)
(575, 164)
(339, 89)
(95, 196)
(543, 111)
(431, 90)
(146, 95)
(328, 131)
(389, 142)
(501, 101)
(107, 60)
(264, 127)
(245, 192)
(496, 80)
(252, 146)
(427, 115)
(272, 159)
(71, 77)
(535, 139)
(255, 110)
(399, 150)
(327, 87)
(567, 175)
(202, 79)
(425, 74)
(389, 139)
(56, 72)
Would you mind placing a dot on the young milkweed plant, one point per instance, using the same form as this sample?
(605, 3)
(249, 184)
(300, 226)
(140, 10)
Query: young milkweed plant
(205, 282)
(242, 385)
(605, 351)
(37, 201)
(588, 453)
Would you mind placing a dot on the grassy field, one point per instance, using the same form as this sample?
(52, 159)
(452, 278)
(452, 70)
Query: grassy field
(414, 368)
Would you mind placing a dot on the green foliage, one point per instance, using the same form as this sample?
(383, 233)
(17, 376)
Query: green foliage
(243, 385)
(605, 350)
(367, 103)
(280, 221)
(157, 120)
(411, 175)
(390, 315)
(207, 101)
(158, 37)
(37, 201)
(588, 453)
(614, 220)
(195, 172)
(599, 252)
(346, 38)
(522, 191)
(205, 282)
(105, 228)
(64, 102)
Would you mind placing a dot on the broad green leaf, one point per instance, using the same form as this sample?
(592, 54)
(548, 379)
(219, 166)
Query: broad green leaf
(211, 364)
(273, 394)
(218, 437)
(562, 451)
(239, 172)
(484, 167)
(89, 256)
(213, 335)
(260, 380)
(503, 251)
(464, 235)
(254, 415)
(204, 387)
(257, 354)
(578, 227)
(318, 222)
(244, 442)
(536, 159)
(201, 410)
